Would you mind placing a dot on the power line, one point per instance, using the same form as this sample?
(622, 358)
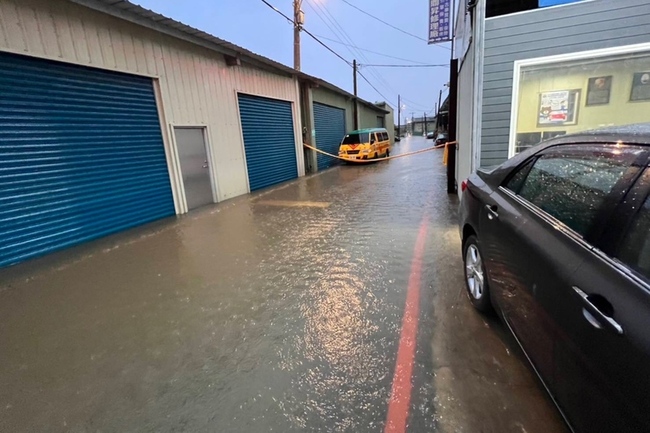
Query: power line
(406, 66)
(323, 19)
(416, 104)
(384, 22)
(373, 52)
(329, 49)
(371, 85)
(307, 32)
(330, 17)
(338, 31)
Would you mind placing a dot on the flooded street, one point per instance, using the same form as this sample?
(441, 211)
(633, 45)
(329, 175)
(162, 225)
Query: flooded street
(275, 312)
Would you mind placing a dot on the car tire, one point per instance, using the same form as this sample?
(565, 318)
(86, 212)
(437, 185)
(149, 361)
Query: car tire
(476, 281)
(387, 153)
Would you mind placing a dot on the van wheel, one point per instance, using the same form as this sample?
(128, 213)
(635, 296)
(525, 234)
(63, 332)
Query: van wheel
(387, 153)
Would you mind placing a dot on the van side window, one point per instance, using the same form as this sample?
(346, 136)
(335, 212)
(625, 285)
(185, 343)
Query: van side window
(635, 251)
(386, 137)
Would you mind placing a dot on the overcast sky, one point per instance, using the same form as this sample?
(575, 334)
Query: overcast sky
(253, 25)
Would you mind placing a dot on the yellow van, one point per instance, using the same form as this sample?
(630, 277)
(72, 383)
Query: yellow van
(368, 143)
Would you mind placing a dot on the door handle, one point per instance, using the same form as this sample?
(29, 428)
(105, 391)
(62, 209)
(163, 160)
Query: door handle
(602, 318)
(492, 212)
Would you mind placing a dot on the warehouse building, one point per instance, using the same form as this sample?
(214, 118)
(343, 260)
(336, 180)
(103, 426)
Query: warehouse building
(113, 116)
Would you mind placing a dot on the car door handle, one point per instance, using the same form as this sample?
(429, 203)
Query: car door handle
(492, 211)
(602, 318)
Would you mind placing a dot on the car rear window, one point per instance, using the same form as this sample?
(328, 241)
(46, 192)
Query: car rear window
(356, 138)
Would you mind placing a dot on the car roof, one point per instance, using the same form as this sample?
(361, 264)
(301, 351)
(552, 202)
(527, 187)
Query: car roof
(638, 133)
(358, 131)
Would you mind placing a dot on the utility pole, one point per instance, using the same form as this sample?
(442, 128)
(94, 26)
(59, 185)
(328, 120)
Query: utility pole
(399, 114)
(438, 109)
(412, 122)
(298, 20)
(354, 80)
(425, 124)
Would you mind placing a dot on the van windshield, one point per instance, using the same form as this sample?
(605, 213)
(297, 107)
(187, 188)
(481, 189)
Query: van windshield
(356, 138)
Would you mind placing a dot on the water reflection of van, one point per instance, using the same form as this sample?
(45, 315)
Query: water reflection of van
(368, 143)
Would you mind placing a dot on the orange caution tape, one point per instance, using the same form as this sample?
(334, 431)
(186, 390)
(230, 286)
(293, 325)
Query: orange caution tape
(440, 146)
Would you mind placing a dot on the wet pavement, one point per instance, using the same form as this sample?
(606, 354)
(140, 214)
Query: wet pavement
(276, 312)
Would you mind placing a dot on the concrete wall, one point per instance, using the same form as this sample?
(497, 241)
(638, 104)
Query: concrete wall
(195, 87)
(368, 119)
(389, 120)
(559, 30)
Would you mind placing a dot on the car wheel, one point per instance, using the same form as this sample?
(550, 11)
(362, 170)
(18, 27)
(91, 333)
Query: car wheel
(475, 275)
(387, 153)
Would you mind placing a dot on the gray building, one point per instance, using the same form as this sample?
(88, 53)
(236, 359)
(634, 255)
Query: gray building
(420, 126)
(527, 73)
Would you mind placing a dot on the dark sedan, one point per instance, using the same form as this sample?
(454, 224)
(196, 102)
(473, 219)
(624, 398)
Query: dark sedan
(556, 241)
(442, 138)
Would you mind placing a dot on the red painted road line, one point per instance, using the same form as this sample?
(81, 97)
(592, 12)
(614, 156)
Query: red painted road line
(400, 396)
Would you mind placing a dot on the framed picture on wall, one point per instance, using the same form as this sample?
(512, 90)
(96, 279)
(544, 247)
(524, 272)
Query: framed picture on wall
(559, 107)
(598, 90)
(640, 87)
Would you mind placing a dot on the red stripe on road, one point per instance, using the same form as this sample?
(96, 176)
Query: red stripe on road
(400, 396)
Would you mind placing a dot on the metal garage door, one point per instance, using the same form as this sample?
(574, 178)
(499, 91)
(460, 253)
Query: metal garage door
(267, 126)
(81, 156)
(329, 123)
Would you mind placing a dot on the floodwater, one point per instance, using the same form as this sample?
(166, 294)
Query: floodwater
(276, 312)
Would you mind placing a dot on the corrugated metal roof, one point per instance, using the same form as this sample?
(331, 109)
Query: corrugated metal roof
(137, 14)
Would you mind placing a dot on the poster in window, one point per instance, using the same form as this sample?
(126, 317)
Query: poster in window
(640, 87)
(598, 90)
(559, 107)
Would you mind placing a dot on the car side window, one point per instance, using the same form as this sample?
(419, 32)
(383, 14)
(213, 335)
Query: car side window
(517, 179)
(635, 250)
(572, 188)
(384, 136)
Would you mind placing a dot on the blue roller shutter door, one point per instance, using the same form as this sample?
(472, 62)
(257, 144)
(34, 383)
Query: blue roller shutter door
(269, 142)
(329, 123)
(81, 156)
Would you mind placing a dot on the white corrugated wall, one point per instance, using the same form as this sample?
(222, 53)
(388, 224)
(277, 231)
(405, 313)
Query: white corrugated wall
(464, 117)
(195, 85)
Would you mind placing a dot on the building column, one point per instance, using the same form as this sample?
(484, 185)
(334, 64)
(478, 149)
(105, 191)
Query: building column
(308, 131)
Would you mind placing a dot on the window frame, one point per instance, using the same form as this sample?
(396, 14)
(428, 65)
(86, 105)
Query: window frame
(608, 209)
(550, 60)
(624, 215)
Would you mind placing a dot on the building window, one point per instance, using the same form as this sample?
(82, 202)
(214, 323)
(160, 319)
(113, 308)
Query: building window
(577, 92)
